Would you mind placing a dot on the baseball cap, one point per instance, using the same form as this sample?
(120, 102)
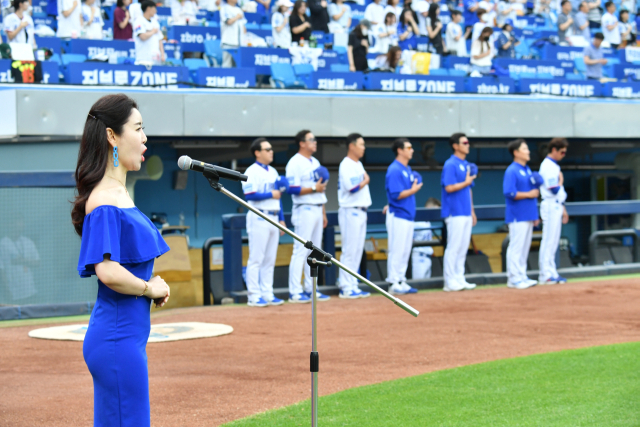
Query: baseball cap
(536, 179)
(366, 23)
(321, 172)
(508, 22)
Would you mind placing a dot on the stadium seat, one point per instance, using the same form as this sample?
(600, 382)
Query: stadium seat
(580, 65)
(340, 68)
(340, 49)
(252, 26)
(194, 64)
(613, 61)
(68, 58)
(213, 24)
(439, 72)
(574, 76)
(522, 50)
(56, 58)
(266, 27)
(283, 76)
(213, 52)
(621, 254)
(457, 73)
(174, 61)
(304, 73)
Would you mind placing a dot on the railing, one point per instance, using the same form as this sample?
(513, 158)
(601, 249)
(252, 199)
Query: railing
(595, 236)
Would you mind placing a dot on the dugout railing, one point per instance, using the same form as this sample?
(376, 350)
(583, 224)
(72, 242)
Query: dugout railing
(618, 253)
(234, 225)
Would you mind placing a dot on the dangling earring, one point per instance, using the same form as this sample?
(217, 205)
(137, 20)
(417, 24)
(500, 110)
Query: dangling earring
(115, 157)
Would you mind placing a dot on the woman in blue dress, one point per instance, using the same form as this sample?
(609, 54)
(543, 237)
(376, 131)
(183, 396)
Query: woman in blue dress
(119, 245)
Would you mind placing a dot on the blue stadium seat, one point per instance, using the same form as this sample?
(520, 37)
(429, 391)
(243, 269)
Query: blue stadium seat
(340, 49)
(544, 75)
(252, 26)
(457, 73)
(213, 52)
(439, 72)
(266, 27)
(527, 75)
(522, 50)
(580, 65)
(283, 76)
(340, 68)
(304, 73)
(213, 24)
(613, 61)
(56, 58)
(174, 61)
(574, 76)
(68, 58)
(194, 64)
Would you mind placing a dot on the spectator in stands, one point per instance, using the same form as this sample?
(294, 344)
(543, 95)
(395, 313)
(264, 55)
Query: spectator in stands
(69, 24)
(300, 27)
(148, 37)
(481, 24)
(280, 25)
(359, 46)
(543, 7)
(470, 15)
(581, 22)
(565, 22)
(521, 213)
(386, 34)
(263, 7)
(394, 7)
(506, 10)
(374, 13)
(628, 30)
(231, 29)
(595, 13)
(340, 15)
(455, 40)
(122, 29)
(184, 12)
(91, 20)
(319, 15)
(421, 10)
(407, 30)
(481, 52)
(19, 26)
(391, 61)
(594, 58)
(421, 255)
(610, 28)
(506, 42)
(434, 29)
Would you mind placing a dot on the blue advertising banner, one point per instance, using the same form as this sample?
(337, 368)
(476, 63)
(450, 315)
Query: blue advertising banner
(457, 63)
(91, 48)
(323, 80)
(49, 72)
(329, 57)
(555, 68)
(413, 83)
(261, 58)
(39, 6)
(561, 87)
(490, 85)
(227, 77)
(98, 73)
(193, 38)
(621, 90)
(53, 43)
(622, 71)
(568, 53)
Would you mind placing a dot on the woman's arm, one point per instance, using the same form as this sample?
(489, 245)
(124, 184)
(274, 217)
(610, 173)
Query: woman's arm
(352, 65)
(433, 32)
(284, 24)
(300, 28)
(68, 12)
(122, 24)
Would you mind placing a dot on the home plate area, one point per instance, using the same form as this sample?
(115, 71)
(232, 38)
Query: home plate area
(163, 332)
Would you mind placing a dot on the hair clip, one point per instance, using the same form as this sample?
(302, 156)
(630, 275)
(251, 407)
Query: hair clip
(93, 117)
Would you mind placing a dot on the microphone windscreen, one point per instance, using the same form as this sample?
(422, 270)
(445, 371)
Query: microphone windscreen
(184, 163)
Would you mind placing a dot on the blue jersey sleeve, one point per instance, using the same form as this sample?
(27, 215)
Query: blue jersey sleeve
(509, 187)
(259, 196)
(395, 184)
(449, 175)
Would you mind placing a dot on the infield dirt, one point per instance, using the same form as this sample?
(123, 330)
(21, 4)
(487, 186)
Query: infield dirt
(264, 363)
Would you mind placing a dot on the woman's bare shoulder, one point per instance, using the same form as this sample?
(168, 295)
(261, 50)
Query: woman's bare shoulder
(101, 197)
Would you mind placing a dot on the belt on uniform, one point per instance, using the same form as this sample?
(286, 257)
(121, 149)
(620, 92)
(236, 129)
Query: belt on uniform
(308, 204)
(274, 213)
(426, 255)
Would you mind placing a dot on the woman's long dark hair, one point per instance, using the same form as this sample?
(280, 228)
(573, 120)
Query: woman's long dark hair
(296, 7)
(391, 57)
(433, 14)
(111, 111)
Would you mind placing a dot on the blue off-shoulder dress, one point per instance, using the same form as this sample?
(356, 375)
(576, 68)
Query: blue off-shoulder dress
(116, 340)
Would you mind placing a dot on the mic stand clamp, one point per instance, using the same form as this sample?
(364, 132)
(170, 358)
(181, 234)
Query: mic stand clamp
(213, 178)
(314, 264)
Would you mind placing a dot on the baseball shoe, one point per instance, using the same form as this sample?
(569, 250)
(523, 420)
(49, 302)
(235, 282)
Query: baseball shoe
(469, 286)
(523, 284)
(408, 289)
(398, 289)
(349, 294)
(453, 287)
(299, 298)
(531, 282)
(560, 280)
(260, 302)
(275, 301)
(547, 282)
(319, 296)
(364, 294)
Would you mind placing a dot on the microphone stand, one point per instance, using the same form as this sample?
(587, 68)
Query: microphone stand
(316, 259)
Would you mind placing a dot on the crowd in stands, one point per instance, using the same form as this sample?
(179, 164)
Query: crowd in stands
(375, 36)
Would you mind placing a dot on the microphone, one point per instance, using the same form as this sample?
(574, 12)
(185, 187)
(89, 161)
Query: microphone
(185, 163)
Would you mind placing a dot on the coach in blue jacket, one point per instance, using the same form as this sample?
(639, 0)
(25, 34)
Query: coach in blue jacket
(521, 193)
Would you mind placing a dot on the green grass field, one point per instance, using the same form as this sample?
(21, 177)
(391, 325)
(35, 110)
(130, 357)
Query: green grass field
(598, 386)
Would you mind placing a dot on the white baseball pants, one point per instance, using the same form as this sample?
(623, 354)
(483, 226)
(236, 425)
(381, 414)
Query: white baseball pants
(353, 228)
(455, 254)
(520, 233)
(307, 223)
(263, 248)
(400, 241)
(551, 215)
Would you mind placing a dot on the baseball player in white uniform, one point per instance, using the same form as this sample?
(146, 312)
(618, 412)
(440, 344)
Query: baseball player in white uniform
(457, 179)
(308, 215)
(520, 189)
(421, 255)
(354, 199)
(401, 184)
(263, 190)
(552, 211)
